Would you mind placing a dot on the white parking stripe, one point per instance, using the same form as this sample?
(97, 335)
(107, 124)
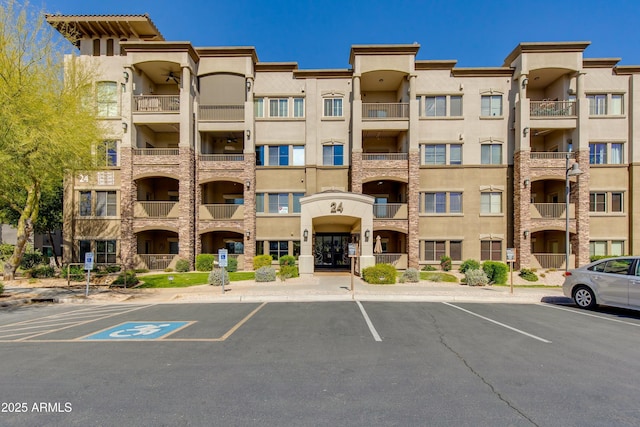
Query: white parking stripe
(499, 323)
(375, 334)
(589, 314)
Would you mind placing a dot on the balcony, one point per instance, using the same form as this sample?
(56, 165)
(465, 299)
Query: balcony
(221, 113)
(156, 151)
(547, 109)
(157, 261)
(221, 157)
(551, 211)
(390, 211)
(222, 211)
(156, 210)
(398, 260)
(385, 111)
(551, 260)
(384, 157)
(156, 103)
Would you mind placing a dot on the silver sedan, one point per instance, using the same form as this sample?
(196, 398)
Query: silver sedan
(610, 281)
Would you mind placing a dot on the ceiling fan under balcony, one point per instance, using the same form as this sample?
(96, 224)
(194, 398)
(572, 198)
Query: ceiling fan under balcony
(171, 76)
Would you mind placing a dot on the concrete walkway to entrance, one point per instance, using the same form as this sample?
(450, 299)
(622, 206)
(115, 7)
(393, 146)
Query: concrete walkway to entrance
(320, 287)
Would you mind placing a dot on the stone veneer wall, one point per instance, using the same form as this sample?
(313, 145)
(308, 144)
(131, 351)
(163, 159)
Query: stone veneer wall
(580, 196)
(413, 237)
(522, 208)
(127, 199)
(187, 194)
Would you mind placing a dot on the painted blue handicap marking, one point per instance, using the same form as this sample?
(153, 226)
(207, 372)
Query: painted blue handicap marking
(137, 331)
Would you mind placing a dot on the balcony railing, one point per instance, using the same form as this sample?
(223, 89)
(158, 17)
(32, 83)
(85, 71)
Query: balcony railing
(552, 108)
(381, 111)
(223, 113)
(550, 260)
(157, 261)
(156, 151)
(397, 260)
(544, 155)
(221, 157)
(551, 210)
(222, 211)
(156, 103)
(384, 156)
(390, 211)
(156, 210)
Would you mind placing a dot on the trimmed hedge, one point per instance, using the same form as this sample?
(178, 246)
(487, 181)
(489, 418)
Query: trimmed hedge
(182, 265)
(380, 274)
(445, 263)
(287, 260)
(132, 279)
(287, 272)
(496, 271)
(469, 264)
(204, 262)
(261, 261)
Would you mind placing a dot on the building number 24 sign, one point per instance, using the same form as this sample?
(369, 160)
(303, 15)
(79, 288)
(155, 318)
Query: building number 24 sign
(336, 207)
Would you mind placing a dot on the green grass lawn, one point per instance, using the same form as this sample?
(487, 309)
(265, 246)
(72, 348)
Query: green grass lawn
(438, 277)
(182, 280)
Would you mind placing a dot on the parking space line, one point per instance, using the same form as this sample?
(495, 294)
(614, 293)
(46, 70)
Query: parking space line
(242, 322)
(588, 314)
(499, 323)
(372, 329)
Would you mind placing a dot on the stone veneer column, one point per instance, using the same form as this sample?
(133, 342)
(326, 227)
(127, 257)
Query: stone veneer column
(580, 196)
(249, 210)
(522, 208)
(356, 172)
(128, 196)
(186, 222)
(413, 202)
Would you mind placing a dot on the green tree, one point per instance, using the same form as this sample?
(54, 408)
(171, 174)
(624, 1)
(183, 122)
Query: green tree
(47, 120)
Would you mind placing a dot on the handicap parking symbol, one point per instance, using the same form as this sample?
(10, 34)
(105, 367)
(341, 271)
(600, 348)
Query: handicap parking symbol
(138, 331)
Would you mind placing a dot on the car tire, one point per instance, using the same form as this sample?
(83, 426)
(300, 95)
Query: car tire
(584, 297)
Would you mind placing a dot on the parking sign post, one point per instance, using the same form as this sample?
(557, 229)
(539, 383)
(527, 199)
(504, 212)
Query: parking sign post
(511, 258)
(222, 262)
(353, 252)
(88, 265)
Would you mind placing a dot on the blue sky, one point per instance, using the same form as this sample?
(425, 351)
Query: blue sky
(319, 34)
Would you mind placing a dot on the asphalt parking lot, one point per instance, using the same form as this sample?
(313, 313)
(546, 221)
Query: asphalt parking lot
(319, 363)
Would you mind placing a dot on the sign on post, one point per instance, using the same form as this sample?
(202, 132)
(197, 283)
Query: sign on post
(511, 258)
(222, 262)
(352, 249)
(88, 266)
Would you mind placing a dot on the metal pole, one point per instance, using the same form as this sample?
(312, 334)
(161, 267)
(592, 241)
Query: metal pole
(86, 293)
(223, 270)
(566, 213)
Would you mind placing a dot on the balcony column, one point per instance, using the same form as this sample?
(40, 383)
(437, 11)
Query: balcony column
(413, 186)
(522, 207)
(580, 197)
(187, 170)
(356, 138)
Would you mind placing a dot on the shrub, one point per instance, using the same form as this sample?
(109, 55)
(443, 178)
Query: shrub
(476, 278)
(496, 271)
(131, 277)
(528, 275)
(469, 264)
(287, 272)
(410, 275)
(265, 274)
(287, 260)
(428, 268)
(168, 270)
(380, 274)
(216, 276)
(76, 272)
(6, 250)
(1, 288)
(232, 265)
(261, 261)
(42, 271)
(204, 262)
(445, 263)
(182, 265)
(30, 259)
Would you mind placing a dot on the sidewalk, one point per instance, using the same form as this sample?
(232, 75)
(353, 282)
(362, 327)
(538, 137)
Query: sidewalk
(325, 287)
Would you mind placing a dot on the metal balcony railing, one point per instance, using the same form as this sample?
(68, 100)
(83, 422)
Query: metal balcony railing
(550, 210)
(385, 156)
(550, 260)
(398, 260)
(222, 211)
(221, 157)
(546, 155)
(221, 113)
(156, 103)
(157, 261)
(155, 210)
(552, 108)
(156, 151)
(390, 211)
(382, 111)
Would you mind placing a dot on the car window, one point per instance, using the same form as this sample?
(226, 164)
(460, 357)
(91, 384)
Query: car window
(637, 268)
(598, 267)
(618, 266)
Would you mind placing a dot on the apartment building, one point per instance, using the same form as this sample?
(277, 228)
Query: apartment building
(412, 159)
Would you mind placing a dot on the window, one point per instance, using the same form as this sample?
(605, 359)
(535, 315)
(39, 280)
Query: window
(597, 154)
(597, 248)
(597, 105)
(298, 107)
(296, 202)
(278, 249)
(259, 247)
(616, 154)
(606, 153)
(278, 155)
(105, 251)
(456, 107)
(434, 250)
(332, 155)
(298, 155)
(259, 202)
(107, 153)
(455, 250)
(491, 250)
(258, 107)
(85, 203)
(96, 49)
(491, 105)
(296, 248)
(491, 203)
(278, 107)
(435, 202)
(491, 154)
(109, 47)
(455, 202)
(455, 154)
(616, 202)
(107, 99)
(260, 156)
(84, 246)
(332, 107)
(436, 106)
(106, 203)
(617, 247)
(598, 202)
(435, 154)
(616, 105)
(279, 203)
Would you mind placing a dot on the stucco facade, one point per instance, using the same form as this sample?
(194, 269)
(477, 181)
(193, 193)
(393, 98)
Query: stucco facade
(210, 148)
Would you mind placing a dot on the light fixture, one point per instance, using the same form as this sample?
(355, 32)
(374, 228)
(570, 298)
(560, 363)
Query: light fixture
(305, 234)
(367, 233)
(124, 127)
(525, 131)
(525, 82)
(461, 86)
(126, 76)
(526, 183)
(248, 85)
(574, 170)
(248, 134)
(247, 233)
(247, 184)
(526, 233)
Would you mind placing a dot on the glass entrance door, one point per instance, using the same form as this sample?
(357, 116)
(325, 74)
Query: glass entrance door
(331, 250)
